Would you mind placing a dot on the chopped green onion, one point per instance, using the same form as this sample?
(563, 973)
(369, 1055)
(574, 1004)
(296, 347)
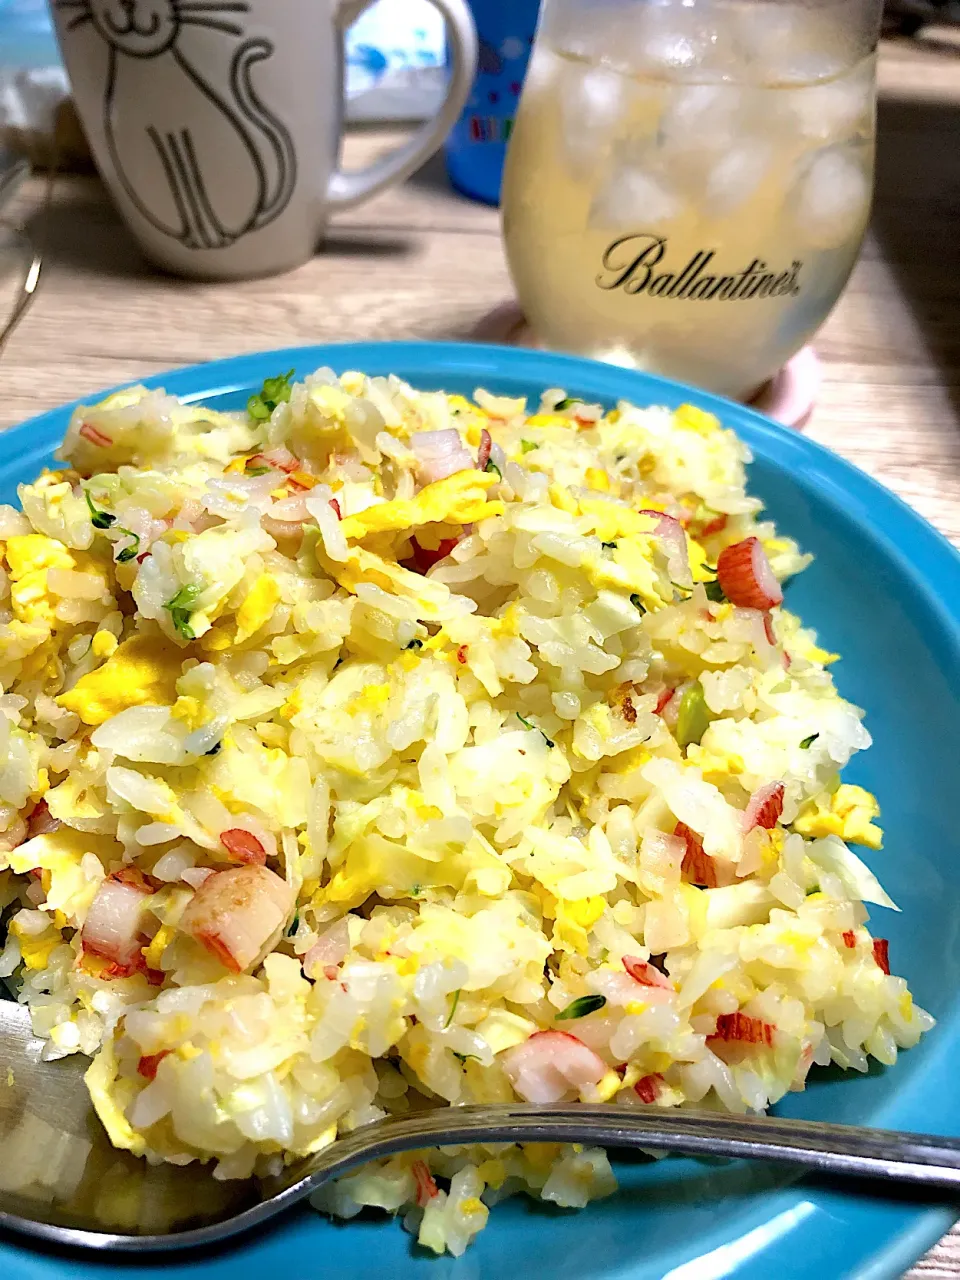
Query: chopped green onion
(277, 390)
(566, 403)
(187, 595)
(416, 891)
(581, 1007)
(492, 466)
(638, 603)
(462, 1057)
(181, 623)
(179, 608)
(528, 724)
(528, 446)
(273, 392)
(99, 519)
(807, 742)
(453, 1008)
(693, 715)
(257, 471)
(414, 644)
(714, 592)
(294, 923)
(128, 552)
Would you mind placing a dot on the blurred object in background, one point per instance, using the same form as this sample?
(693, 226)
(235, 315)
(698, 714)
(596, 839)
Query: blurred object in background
(19, 277)
(395, 71)
(20, 261)
(395, 62)
(14, 171)
(477, 146)
(907, 17)
(34, 92)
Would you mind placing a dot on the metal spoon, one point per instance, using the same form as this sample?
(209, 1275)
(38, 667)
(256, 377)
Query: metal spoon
(14, 171)
(61, 1181)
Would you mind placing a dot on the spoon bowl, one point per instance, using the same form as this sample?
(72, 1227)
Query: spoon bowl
(62, 1181)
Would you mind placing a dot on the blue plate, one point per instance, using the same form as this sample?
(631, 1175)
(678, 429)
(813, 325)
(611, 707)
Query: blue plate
(884, 591)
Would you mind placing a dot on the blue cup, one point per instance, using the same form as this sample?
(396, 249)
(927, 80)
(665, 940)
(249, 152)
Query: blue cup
(477, 145)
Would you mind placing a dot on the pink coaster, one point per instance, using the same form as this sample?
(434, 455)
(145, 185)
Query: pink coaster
(788, 397)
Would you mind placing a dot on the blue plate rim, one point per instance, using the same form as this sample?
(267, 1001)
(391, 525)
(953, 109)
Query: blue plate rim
(891, 522)
(766, 427)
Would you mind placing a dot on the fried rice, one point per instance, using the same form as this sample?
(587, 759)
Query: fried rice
(377, 749)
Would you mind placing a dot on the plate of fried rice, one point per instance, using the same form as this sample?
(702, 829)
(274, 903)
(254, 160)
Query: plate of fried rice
(392, 726)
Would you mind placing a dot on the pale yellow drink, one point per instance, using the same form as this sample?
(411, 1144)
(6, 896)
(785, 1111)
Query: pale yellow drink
(687, 186)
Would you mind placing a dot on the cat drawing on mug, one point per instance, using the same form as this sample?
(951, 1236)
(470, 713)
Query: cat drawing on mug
(204, 165)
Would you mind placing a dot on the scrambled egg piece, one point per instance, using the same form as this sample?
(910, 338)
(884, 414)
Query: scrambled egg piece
(804, 648)
(59, 855)
(334, 401)
(848, 814)
(26, 641)
(715, 765)
(550, 420)
(627, 568)
(111, 1097)
(376, 865)
(217, 639)
(574, 920)
(694, 419)
(188, 711)
(597, 479)
(35, 948)
(608, 1087)
(467, 417)
(364, 566)
(153, 953)
(141, 673)
(698, 561)
(104, 644)
(29, 552)
(29, 556)
(258, 607)
(457, 499)
(563, 499)
(611, 521)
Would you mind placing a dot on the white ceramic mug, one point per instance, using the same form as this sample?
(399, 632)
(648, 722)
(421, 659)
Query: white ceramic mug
(216, 123)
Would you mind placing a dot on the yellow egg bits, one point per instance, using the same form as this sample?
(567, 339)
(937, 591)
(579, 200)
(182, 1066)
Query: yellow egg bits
(458, 499)
(141, 672)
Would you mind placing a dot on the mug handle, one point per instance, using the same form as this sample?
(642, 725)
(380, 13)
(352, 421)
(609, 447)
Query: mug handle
(349, 187)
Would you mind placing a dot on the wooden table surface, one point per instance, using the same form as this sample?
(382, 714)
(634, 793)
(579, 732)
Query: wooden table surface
(421, 262)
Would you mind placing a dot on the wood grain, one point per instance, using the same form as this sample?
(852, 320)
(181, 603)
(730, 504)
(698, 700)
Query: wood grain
(421, 262)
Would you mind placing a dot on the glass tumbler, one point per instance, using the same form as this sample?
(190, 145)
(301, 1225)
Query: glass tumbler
(689, 181)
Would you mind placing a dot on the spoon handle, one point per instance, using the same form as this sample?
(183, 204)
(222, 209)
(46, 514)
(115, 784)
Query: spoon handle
(931, 1163)
(918, 1159)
